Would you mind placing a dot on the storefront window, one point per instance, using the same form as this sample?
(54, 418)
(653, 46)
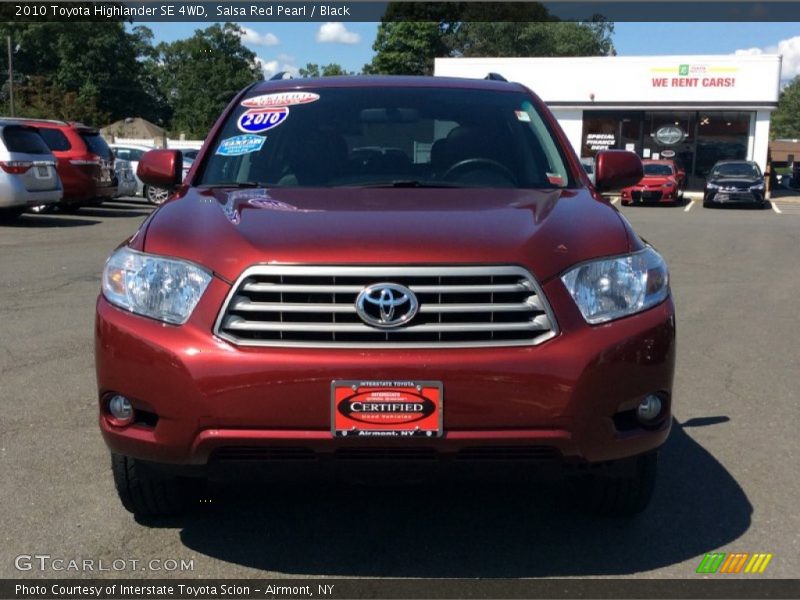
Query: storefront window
(694, 140)
(720, 136)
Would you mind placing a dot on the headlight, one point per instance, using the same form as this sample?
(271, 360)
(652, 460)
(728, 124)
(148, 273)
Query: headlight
(758, 186)
(712, 186)
(608, 289)
(667, 184)
(153, 286)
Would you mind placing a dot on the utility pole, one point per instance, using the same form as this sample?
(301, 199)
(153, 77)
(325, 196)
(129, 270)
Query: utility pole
(10, 76)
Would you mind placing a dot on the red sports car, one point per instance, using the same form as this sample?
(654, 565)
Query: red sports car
(663, 181)
(462, 298)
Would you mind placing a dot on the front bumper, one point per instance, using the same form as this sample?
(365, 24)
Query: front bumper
(734, 196)
(212, 398)
(641, 195)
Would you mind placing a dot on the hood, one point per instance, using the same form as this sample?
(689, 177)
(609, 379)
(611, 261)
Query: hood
(228, 230)
(737, 182)
(655, 180)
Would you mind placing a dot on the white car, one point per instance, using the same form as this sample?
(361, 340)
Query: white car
(127, 181)
(132, 153)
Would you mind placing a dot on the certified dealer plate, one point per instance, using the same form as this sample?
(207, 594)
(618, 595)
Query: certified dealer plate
(386, 408)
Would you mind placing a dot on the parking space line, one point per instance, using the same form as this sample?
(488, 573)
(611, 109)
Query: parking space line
(775, 207)
(689, 206)
(615, 201)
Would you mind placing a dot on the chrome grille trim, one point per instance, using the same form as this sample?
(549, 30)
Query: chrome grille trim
(321, 307)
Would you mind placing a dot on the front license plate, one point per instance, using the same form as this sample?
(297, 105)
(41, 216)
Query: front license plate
(722, 198)
(386, 408)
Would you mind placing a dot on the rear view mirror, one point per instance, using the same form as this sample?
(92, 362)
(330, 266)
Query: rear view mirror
(616, 169)
(389, 115)
(161, 168)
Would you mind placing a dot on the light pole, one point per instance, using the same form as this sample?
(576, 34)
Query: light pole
(10, 77)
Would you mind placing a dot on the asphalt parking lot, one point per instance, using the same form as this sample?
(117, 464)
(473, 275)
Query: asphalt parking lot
(728, 476)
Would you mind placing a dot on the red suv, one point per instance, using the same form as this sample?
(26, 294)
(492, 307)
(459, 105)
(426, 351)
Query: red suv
(385, 276)
(85, 163)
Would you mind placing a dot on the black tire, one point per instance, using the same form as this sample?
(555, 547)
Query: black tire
(69, 209)
(10, 214)
(620, 496)
(146, 492)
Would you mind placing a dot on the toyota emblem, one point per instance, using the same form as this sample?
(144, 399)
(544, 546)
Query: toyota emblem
(386, 305)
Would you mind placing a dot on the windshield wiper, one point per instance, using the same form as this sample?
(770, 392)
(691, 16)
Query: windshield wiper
(404, 183)
(237, 184)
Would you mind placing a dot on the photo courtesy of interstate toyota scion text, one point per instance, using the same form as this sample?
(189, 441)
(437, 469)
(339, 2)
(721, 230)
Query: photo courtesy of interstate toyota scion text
(372, 277)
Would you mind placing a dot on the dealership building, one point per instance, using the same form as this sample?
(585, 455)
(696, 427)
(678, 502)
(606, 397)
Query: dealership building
(693, 109)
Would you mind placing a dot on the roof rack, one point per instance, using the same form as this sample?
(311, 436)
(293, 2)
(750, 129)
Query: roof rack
(281, 75)
(56, 121)
(495, 77)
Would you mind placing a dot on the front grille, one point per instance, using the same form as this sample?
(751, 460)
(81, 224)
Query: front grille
(509, 453)
(646, 195)
(282, 454)
(262, 453)
(737, 196)
(315, 306)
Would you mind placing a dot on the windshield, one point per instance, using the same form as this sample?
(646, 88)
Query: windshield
(658, 170)
(386, 136)
(728, 170)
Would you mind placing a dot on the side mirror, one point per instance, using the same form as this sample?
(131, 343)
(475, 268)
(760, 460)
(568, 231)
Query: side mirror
(616, 169)
(161, 168)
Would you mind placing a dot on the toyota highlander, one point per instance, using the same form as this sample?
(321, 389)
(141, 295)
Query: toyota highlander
(372, 276)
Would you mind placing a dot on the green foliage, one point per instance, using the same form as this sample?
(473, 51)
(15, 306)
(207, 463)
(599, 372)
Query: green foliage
(533, 39)
(329, 70)
(411, 35)
(786, 119)
(86, 71)
(199, 75)
(408, 48)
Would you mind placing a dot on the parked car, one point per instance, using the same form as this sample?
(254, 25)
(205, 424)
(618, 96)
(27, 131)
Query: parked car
(28, 175)
(295, 311)
(85, 163)
(734, 182)
(190, 153)
(588, 166)
(663, 181)
(126, 178)
(159, 195)
(132, 153)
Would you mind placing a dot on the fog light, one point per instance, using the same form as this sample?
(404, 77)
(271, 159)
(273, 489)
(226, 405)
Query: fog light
(121, 410)
(649, 408)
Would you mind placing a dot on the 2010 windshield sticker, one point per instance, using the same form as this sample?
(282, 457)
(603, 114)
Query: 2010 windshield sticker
(240, 144)
(257, 120)
(280, 99)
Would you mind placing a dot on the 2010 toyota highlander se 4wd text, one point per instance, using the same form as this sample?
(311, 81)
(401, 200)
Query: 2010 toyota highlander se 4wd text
(403, 276)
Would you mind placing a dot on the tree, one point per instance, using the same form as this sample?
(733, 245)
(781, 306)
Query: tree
(534, 39)
(411, 35)
(199, 75)
(329, 70)
(786, 119)
(408, 48)
(90, 71)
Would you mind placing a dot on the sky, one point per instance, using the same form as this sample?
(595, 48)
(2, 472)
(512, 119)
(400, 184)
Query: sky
(289, 46)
